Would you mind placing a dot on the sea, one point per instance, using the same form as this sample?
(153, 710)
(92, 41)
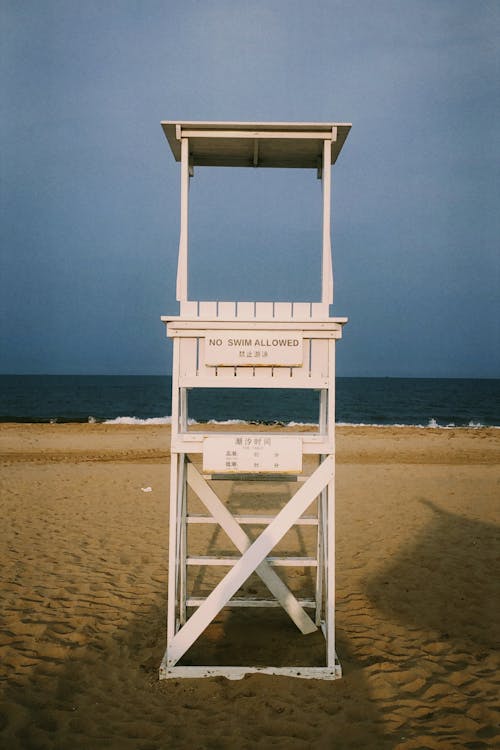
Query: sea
(124, 399)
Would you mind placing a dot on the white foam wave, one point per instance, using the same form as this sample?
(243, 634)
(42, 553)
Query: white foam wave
(137, 420)
(431, 424)
(224, 421)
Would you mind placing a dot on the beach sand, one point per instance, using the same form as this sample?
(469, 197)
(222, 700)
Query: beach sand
(84, 586)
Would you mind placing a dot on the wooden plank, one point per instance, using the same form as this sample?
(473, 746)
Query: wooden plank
(175, 388)
(182, 539)
(320, 358)
(203, 322)
(321, 563)
(195, 601)
(319, 310)
(264, 311)
(330, 582)
(257, 520)
(227, 562)
(189, 309)
(172, 551)
(301, 311)
(282, 375)
(237, 673)
(250, 560)
(283, 310)
(261, 376)
(188, 355)
(330, 530)
(266, 134)
(242, 542)
(207, 309)
(177, 332)
(207, 379)
(226, 310)
(245, 310)
(312, 444)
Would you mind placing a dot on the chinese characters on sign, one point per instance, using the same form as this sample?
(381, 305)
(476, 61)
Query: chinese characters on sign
(252, 454)
(253, 348)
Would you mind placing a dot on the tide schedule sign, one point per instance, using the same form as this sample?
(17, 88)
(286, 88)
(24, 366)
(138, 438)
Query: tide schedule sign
(268, 454)
(253, 348)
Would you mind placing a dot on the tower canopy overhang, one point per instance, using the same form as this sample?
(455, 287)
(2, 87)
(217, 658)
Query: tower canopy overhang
(256, 144)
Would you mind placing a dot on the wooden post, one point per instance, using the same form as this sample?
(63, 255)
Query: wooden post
(326, 269)
(182, 265)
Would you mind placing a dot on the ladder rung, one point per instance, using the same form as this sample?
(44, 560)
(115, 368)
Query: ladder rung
(234, 477)
(252, 520)
(195, 601)
(294, 562)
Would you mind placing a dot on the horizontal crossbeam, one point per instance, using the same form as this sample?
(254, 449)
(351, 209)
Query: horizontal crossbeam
(252, 520)
(290, 562)
(196, 601)
(266, 134)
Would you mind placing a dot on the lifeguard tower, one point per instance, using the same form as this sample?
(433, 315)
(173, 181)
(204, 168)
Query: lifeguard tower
(266, 345)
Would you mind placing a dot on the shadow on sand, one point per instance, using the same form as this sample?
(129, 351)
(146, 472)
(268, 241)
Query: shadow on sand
(447, 581)
(106, 694)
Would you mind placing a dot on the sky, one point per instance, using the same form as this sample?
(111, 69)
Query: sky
(89, 191)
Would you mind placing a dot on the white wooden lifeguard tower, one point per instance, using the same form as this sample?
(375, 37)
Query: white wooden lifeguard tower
(241, 344)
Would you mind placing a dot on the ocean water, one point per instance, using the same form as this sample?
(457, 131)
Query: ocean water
(378, 401)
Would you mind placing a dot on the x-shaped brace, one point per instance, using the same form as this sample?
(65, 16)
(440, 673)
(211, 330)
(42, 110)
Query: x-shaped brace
(252, 558)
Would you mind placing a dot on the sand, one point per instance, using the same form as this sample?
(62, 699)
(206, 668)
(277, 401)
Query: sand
(84, 580)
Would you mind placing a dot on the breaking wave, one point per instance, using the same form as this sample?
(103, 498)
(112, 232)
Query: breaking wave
(431, 424)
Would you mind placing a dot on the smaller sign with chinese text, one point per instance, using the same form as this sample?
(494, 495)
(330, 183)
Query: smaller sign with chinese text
(247, 454)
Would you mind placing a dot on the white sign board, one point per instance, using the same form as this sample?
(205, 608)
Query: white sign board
(253, 348)
(251, 453)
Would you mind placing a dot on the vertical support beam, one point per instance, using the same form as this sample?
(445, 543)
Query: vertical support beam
(323, 411)
(182, 509)
(173, 520)
(330, 578)
(330, 514)
(320, 556)
(182, 265)
(326, 267)
(183, 418)
(182, 538)
(172, 549)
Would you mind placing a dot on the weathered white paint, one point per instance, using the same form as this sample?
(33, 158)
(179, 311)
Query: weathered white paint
(206, 355)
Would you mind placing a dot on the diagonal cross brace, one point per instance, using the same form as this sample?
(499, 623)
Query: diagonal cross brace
(242, 542)
(249, 561)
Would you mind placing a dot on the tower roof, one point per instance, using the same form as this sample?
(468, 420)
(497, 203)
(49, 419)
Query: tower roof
(256, 144)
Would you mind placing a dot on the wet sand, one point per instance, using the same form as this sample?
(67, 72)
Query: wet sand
(84, 580)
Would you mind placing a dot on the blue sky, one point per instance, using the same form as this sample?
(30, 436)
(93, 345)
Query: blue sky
(90, 191)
